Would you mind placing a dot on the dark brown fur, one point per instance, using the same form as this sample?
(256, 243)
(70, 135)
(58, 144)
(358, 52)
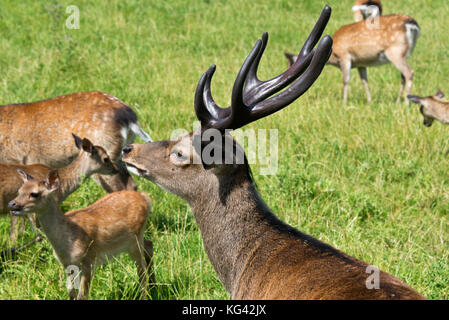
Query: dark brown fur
(255, 255)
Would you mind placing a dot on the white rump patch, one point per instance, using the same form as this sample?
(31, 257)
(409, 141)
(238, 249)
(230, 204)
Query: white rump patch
(136, 129)
(412, 32)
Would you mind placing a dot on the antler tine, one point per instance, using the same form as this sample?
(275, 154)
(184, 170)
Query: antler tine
(201, 110)
(256, 90)
(248, 92)
(208, 112)
(289, 95)
(316, 33)
(239, 110)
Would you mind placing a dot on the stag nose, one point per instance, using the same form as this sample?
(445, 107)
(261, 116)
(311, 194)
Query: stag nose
(127, 149)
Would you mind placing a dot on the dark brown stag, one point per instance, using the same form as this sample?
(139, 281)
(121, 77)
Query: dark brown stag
(256, 255)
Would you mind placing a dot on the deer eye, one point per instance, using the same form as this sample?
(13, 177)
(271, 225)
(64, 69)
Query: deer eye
(178, 157)
(34, 195)
(177, 154)
(106, 160)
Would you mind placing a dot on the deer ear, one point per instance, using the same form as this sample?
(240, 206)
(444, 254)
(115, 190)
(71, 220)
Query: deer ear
(78, 141)
(25, 176)
(414, 99)
(88, 146)
(52, 181)
(439, 94)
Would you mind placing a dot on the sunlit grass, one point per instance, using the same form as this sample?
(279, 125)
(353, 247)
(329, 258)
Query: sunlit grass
(368, 179)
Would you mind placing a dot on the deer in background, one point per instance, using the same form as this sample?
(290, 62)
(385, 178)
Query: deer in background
(91, 160)
(432, 108)
(364, 9)
(391, 38)
(40, 132)
(256, 255)
(91, 236)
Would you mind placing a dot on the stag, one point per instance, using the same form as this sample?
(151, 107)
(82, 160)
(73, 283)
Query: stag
(256, 255)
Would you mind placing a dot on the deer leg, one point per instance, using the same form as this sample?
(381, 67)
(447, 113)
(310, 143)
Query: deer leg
(346, 70)
(364, 77)
(22, 223)
(13, 230)
(72, 293)
(83, 291)
(400, 62)
(148, 254)
(401, 89)
(137, 254)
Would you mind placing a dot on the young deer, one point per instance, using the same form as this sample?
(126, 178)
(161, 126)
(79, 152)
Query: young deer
(391, 38)
(256, 255)
(91, 160)
(85, 238)
(364, 9)
(39, 132)
(432, 108)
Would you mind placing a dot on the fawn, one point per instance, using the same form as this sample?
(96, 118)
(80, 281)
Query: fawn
(90, 160)
(90, 236)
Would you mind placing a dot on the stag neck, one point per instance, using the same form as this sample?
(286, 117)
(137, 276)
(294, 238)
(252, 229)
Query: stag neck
(235, 209)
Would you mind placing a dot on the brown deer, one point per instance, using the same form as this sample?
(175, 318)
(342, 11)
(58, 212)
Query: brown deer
(364, 9)
(39, 132)
(432, 108)
(85, 238)
(91, 160)
(390, 38)
(255, 255)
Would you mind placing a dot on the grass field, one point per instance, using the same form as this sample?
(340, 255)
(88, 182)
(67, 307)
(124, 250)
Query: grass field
(368, 179)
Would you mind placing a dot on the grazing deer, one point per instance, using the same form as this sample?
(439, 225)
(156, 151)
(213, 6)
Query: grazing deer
(360, 45)
(85, 238)
(91, 160)
(256, 255)
(432, 108)
(39, 132)
(364, 9)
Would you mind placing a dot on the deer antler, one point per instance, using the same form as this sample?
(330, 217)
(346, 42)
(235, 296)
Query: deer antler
(248, 102)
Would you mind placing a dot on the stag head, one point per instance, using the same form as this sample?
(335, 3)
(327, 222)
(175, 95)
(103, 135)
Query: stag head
(209, 155)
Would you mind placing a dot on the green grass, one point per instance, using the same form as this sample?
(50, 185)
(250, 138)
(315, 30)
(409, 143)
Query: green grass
(368, 179)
